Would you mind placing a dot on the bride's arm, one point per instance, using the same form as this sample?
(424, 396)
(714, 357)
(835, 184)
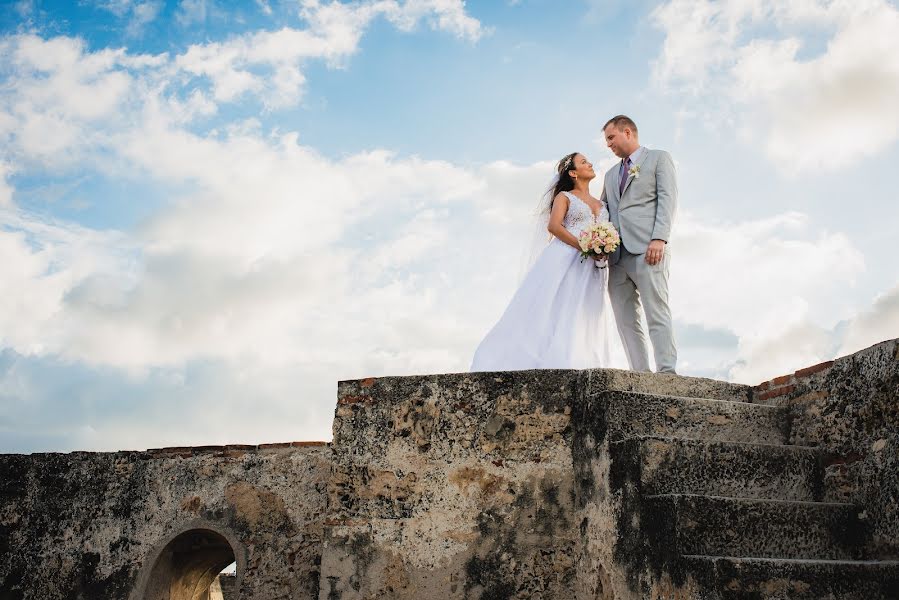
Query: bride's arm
(555, 227)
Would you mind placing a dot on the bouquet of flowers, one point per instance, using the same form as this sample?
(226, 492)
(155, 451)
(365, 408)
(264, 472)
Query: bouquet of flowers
(599, 240)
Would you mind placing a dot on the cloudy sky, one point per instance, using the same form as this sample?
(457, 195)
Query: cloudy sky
(209, 215)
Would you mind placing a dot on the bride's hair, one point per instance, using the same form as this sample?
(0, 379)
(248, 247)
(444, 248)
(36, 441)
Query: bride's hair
(565, 182)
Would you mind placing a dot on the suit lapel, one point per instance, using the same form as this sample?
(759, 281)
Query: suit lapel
(638, 164)
(613, 175)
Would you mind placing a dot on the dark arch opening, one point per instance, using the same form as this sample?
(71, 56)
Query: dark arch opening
(187, 566)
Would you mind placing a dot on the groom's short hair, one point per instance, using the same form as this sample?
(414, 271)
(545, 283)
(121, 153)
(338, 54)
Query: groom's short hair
(620, 122)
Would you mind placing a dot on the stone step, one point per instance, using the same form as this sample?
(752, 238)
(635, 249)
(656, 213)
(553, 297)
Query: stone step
(639, 414)
(720, 526)
(733, 578)
(711, 468)
(663, 383)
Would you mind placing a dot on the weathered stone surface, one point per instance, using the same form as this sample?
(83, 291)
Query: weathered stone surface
(634, 545)
(752, 528)
(740, 470)
(849, 404)
(454, 486)
(850, 409)
(597, 484)
(636, 414)
(94, 525)
(872, 482)
(729, 578)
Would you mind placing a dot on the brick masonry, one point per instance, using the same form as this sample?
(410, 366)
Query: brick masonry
(786, 384)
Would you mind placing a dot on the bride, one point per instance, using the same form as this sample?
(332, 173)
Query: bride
(558, 317)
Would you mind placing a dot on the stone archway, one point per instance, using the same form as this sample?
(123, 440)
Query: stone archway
(184, 567)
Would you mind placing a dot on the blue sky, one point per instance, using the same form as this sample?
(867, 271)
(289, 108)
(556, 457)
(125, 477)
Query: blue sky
(210, 212)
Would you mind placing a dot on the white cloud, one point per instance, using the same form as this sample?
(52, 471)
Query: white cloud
(139, 13)
(269, 64)
(117, 7)
(193, 11)
(142, 14)
(758, 277)
(263, 242)
(264, 6)
(333, 35)
(755, 63)
(877, 323)
(804, 342)
(5, 188)
(798, 345)
(42, 261)
(25, 8)
(260, 216)
(445, 15)
(63, 100)
(763, 280)
(233, 66)
(38, 293)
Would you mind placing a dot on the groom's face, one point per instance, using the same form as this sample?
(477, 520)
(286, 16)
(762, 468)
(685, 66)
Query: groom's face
(621, 142)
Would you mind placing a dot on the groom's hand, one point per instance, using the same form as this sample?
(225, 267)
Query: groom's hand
(655, 252)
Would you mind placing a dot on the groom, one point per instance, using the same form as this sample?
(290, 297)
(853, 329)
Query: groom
(641, 193)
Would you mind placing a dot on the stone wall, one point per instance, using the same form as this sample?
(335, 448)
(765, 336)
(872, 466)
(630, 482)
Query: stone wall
(453, 486)
(103, 525)
(850, 407)
(485, 485)
(536, 484)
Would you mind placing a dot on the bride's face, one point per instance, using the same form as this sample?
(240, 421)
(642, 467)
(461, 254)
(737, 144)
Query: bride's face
(583, 168)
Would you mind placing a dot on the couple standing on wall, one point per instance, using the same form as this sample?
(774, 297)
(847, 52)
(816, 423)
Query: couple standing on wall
(558, 317)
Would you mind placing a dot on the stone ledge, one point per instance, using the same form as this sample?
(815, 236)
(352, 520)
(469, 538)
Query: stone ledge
(182, 451)
(188, 451)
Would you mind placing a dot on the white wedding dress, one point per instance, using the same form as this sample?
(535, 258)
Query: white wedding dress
(559, 316)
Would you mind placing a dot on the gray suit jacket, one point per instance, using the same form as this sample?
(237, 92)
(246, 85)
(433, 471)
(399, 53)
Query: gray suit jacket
(646, 209)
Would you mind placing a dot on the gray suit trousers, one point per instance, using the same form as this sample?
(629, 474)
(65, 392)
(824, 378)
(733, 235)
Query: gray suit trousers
(630, 281)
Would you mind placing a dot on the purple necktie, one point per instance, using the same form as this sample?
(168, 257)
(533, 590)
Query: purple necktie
(624, 173)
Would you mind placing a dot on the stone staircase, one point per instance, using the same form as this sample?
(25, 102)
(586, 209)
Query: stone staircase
(614, 485)
(715, 498)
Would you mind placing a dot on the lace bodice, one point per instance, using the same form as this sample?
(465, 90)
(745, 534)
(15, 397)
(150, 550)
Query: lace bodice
(579, 214)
